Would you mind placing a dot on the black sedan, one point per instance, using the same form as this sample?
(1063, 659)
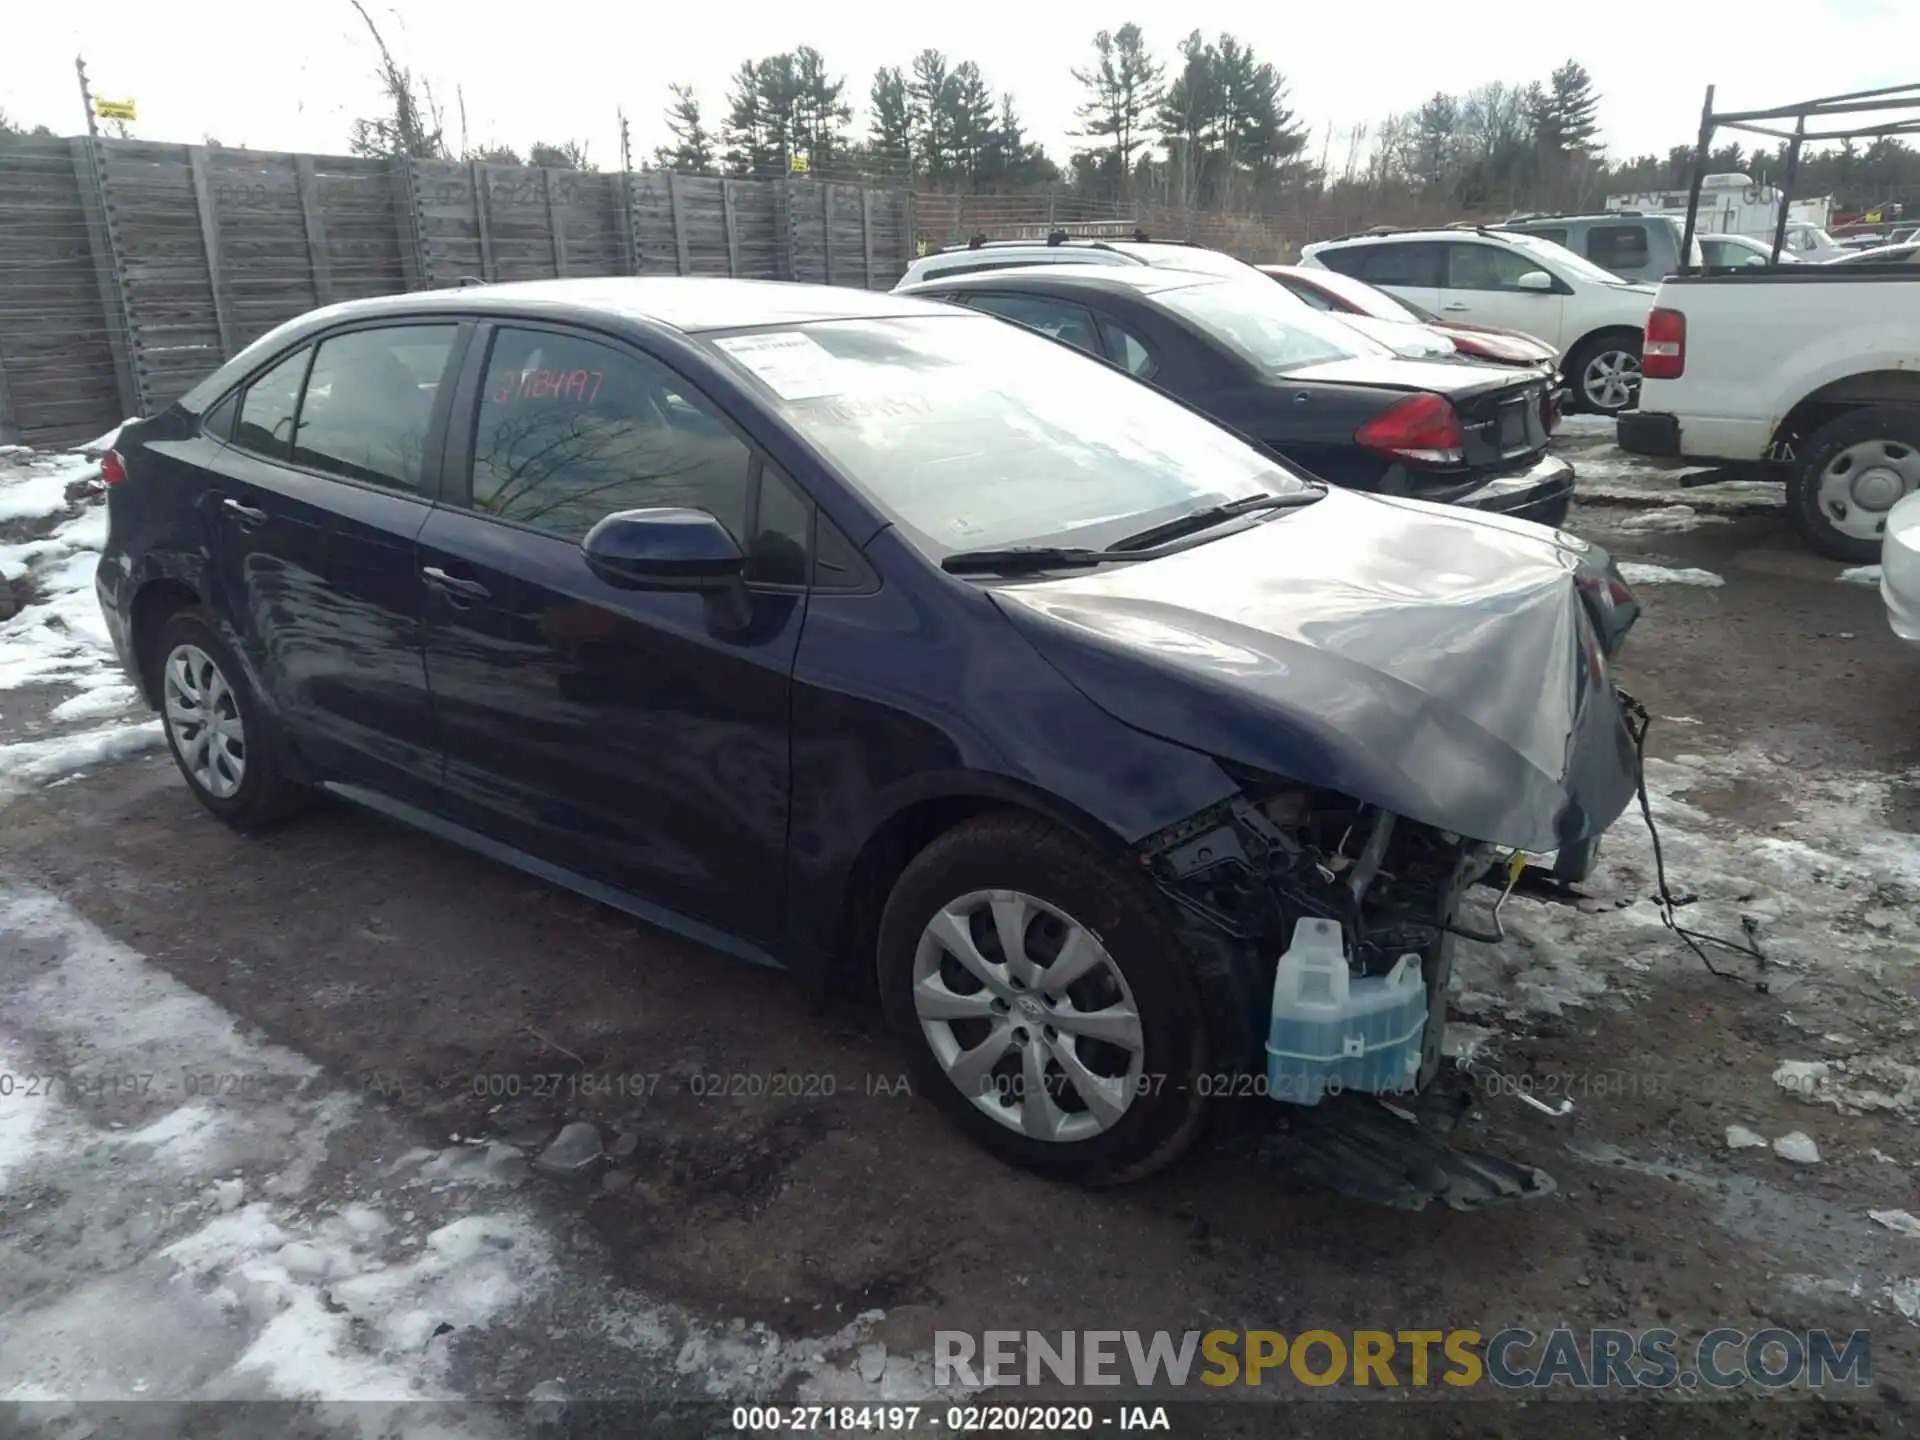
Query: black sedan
(872, 638)
(1314, 391)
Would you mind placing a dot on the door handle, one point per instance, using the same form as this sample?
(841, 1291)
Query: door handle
(453, 586)
(247, 515)
(1456, 306)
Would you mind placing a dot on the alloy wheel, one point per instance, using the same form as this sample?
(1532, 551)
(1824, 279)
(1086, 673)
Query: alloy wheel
(1611, 379)
(1863, 482)
(1028, 1015)
(203, 717)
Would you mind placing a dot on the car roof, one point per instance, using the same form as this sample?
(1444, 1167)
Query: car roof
(690, 304)
(1142, 279)
(1421, 235)
(1882, 254)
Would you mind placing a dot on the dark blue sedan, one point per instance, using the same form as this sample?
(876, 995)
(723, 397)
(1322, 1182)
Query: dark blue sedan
(880, 640)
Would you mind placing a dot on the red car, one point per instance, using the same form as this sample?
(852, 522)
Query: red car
(1343, 295)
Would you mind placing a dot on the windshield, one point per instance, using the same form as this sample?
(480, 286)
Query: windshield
(1266, 326)
(971, 433)
(1564, 259)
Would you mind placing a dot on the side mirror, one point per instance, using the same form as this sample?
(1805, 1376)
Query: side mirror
(1538, 280)
(663, 549)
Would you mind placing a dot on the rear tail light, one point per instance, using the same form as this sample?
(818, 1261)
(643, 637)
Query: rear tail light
(113, 470)
(1664, 355)
(1422, 428)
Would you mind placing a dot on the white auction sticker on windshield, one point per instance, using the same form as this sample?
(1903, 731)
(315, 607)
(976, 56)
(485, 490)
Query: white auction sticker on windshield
(794, 366)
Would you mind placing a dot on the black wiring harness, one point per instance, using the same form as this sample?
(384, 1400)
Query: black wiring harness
(1638, 722)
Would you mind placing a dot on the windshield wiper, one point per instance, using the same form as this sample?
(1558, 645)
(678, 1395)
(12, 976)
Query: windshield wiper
(1197, 520)
(1018, 559)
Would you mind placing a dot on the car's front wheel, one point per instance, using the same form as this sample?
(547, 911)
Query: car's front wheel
(221, 737)
(1605, 372)
(1044, 1001)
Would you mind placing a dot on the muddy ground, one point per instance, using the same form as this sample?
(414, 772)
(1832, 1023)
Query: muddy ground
(463, 999)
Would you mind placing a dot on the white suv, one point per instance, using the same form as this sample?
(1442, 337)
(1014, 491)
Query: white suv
(1596, 321)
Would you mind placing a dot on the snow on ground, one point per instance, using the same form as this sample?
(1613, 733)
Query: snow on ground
(34, 486)
(1638, 574)
(196, 1213)
(57, 636)
(1834, 891)
(1665, 518)
(1862, 575)
(1585, 426)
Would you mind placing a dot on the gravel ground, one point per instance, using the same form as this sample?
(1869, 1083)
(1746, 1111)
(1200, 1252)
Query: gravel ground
(359, 1042)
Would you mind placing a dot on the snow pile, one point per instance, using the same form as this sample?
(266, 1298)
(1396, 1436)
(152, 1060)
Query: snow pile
(35, 762)
(1834, 891)
(1862, 575)
(59, 634)
(1635, 574)
(1664, 518)
(33, 487)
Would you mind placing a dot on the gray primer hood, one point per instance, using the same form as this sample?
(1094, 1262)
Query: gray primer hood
(1438, 663)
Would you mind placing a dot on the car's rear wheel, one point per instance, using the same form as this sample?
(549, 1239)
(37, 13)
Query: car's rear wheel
(1605, 372)
(221, 737)
(1044, 1001)
(1851, 472)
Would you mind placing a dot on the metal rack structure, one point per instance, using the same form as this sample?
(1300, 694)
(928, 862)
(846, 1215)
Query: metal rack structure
(1891, 98)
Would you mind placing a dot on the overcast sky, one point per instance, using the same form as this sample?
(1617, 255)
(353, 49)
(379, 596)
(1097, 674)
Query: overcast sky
(294, 79)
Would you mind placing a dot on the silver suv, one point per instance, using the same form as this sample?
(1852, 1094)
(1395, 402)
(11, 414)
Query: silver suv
(983, 254)
(1625, 242)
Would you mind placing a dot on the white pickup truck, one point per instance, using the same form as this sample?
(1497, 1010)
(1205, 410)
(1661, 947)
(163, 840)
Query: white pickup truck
(1808, 373)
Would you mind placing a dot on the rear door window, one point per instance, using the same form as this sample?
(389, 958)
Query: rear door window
(1128, 350)
(1058, 318)
(369, 403)
(1415, 265)
(269, 406)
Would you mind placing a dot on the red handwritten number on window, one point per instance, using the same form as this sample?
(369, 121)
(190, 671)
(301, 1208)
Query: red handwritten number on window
(580, 386)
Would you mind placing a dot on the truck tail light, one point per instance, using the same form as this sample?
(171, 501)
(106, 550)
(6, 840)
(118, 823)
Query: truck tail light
(113, 470)
(1421, 428)
(1664, 354)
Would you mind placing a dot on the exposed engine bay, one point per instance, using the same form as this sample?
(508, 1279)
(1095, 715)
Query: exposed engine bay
(1253, 867)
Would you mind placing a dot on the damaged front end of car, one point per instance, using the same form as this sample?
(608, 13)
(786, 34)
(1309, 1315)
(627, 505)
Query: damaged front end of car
(1247, 873)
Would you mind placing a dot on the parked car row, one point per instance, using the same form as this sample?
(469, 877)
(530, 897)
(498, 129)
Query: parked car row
(1592, 318)
(883, 638)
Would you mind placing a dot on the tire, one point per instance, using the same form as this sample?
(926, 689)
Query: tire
(1153, 1105)
(1595, 348)
(1849, 474)
(235, 772)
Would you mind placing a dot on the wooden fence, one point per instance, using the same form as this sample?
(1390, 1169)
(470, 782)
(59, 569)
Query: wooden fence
(129, 270)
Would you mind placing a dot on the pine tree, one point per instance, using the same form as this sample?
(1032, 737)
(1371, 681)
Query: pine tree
(893, 132)
(927, 92)
(1574, 107)
(692, 148)
(1124, 90)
